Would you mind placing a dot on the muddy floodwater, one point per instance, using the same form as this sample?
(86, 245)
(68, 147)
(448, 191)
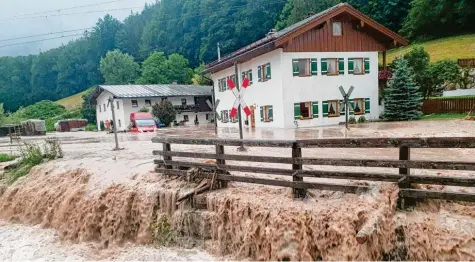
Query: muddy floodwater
(97, 204)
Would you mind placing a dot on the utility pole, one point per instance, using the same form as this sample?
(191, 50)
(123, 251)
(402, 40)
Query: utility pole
(236, 72)
(114, 126)
(219, 52)
(215, 114)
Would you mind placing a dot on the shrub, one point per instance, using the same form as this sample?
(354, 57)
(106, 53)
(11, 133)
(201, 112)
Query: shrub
(362, 120)
(6, 158)
(162, 233)
(352, 120)
(91, 127)
(31, 155)
(144, 110)
(165, 112)
(41, 110)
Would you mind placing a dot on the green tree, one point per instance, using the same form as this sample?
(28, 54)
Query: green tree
(119, 68)
(2, 114)
(165, 112)
(402, 97)
(154, 69)
(178, 69)
(297, 10)
(199, 78)
(419, 61)
(438, 75)
(88, 110)
(437, 18)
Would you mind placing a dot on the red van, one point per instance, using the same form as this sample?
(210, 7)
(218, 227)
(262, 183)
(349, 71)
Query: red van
(142, 122)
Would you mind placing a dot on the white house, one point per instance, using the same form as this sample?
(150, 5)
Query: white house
(189, 101)
(296, 73)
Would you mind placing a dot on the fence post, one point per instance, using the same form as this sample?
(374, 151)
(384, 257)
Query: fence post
(219, 152)
(297, 153)
(167, 148)
(404, 154)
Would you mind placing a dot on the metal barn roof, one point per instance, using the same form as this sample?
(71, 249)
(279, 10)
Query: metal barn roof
(135, 91)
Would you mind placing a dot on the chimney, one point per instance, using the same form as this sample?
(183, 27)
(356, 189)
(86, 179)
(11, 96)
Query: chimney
(271, 32)
(219, 52)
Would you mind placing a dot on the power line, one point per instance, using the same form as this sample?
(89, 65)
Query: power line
(163, 20)
(62, 9)
(68, 14)
(52, 33)
(40, 40)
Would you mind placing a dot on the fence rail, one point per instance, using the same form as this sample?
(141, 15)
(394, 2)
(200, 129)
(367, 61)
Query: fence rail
(448, 105)
(404, 178)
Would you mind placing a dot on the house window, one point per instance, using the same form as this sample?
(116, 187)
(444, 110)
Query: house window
(135, 103)
(359, 106)
(207, 116)
(222, 86)
(247, 74)
(333, 108)
(100, 108)
(306, 110)
(305, 67)
(332, 66)
(117, 102)
(148, 103)
(264, 72)
(358, 66)
(183, 101)
(104, 107)
(120, 123)
(337, 29)
(267, 114)
(185, 118)
(224, 116)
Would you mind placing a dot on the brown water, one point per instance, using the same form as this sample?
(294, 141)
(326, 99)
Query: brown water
(112, 198)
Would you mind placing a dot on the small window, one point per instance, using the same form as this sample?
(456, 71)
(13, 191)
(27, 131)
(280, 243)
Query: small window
(359, 106)
(264, 72)
(247, 74)
(337, 29)
(104, 107)
(358, 66)
(148, 103)
(135, 103)
(207, 116)
(304, 67)
(100, 108)
(333, 108)
(225, 116)
(332, 66)
(306, 110)
(117, 102)
(183, 101)
(185, 118)
(267, 114)
(222, 86)
(164, 99)
(120, 123)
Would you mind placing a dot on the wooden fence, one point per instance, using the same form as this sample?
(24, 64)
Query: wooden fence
(297, 174)
(469, 62)
(448, 105)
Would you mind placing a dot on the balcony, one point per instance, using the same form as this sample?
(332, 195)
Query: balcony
(187, 108)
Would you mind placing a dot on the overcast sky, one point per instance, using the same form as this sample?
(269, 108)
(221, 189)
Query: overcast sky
(17, 20)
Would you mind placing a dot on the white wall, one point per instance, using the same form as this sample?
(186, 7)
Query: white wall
(283, 90)
(323, 87)
(259, 93)
(460, 92)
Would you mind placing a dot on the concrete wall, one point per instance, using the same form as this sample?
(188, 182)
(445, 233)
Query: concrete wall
(124, 109)
(460, 92)
(283, 90)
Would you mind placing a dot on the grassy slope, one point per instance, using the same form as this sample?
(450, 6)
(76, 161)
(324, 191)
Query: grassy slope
(445, 48)
(72, 102)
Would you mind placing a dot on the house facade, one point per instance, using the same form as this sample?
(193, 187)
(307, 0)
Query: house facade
(295, 74)
(189, 102)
